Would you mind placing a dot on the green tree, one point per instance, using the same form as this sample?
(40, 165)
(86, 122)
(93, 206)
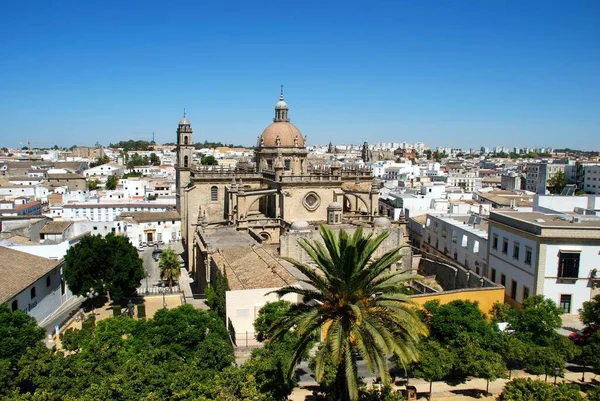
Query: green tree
(557, 182)
(18, 332)
(538, 320)
(543, 361)
(593, 394)
(154, 159)
(111, 182)
(169, 267)
(92, 184)
(514, 352)
(355, 298)
(100, 161)
(526, 390)
(447, 322)
(267, 315)
(215, 294)
(590, 354)
(435, 362)
(108, 264)
(566, 392)
(209, 161)
(590, 313)
(473, 360)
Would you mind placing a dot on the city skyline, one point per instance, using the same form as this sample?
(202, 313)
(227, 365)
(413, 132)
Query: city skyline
(460, 75)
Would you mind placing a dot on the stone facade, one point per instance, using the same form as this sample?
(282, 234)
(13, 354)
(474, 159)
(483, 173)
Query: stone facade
(265, 199)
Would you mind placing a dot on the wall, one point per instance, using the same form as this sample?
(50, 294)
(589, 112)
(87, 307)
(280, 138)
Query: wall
(242, 309)
(514, 269)
(47, 300)
(289, 246)
(485, 297)
(452, 277)
(580, 290)
(557, 203)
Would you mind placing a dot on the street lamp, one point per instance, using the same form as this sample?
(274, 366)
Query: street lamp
(146, 271)
(91, 294)
(164, 300)
(556, 372)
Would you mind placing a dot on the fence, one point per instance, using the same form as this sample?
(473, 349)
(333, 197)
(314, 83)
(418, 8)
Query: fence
(245, 340)
(140, 292)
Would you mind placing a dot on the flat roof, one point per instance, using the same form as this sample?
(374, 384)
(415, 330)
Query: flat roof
(544, 220)
(145, 217)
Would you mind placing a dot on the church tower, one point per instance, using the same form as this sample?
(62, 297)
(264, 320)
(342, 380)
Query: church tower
(185, 151)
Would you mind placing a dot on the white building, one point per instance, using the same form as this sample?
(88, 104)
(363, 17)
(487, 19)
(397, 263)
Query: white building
(103, 171)
(591, 179)
(152, 227)
(31, 283)
(108, 212)
(462, 238)
(533, 253)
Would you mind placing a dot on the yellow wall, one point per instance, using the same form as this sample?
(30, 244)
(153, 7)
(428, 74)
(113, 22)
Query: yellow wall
(486, 297)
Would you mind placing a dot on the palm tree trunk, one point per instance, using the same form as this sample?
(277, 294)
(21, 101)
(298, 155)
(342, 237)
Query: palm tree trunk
(583, 374)
(487, 386)
(430, 386)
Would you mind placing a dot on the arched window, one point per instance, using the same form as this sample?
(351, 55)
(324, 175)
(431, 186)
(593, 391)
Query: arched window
(185, 161)
(185, 140)
(32, 292)
(214, 193)
(15, 305)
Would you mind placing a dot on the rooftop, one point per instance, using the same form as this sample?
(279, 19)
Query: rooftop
(145, 217)
(55, 227)
(550, 225)
(251, 267)
(18, 270)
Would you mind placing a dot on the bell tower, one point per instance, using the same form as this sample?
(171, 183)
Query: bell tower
(185, 151)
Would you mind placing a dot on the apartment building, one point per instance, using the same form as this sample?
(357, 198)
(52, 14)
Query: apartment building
(591, 179)
(555, 255)
(459, 238)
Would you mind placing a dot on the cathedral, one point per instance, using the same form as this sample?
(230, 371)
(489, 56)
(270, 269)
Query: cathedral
(277, 193)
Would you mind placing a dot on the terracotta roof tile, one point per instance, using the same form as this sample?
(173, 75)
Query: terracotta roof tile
(18, 270)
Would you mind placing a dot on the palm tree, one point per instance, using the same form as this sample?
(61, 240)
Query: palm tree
(169, 266)
(357, 302)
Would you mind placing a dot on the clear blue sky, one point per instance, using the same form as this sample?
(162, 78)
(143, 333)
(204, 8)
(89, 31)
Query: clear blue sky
(457, 73)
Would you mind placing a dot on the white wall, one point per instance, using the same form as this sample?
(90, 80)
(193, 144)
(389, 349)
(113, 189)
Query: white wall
(579, 290)
(243, 305)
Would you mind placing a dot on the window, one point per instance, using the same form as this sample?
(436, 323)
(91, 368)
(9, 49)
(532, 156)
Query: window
(504, 245)
(495, 242)
(444, 231)
(465, 241)
(214, 193)
(32, 292)
(513, 290)
(454, 236)
(48, 281)
(528, 256)
(475, 246)
(493, 275)
(565, 302)
(503, 279)
(515, 250)
(286, 165)
(15, 305)
(185, 161)
(525, 293)
(568, 264)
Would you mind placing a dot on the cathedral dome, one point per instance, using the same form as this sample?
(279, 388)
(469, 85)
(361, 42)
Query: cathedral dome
(281, 134)
(184, 121)
(382, 222)
(299, 225)
(281, 105)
